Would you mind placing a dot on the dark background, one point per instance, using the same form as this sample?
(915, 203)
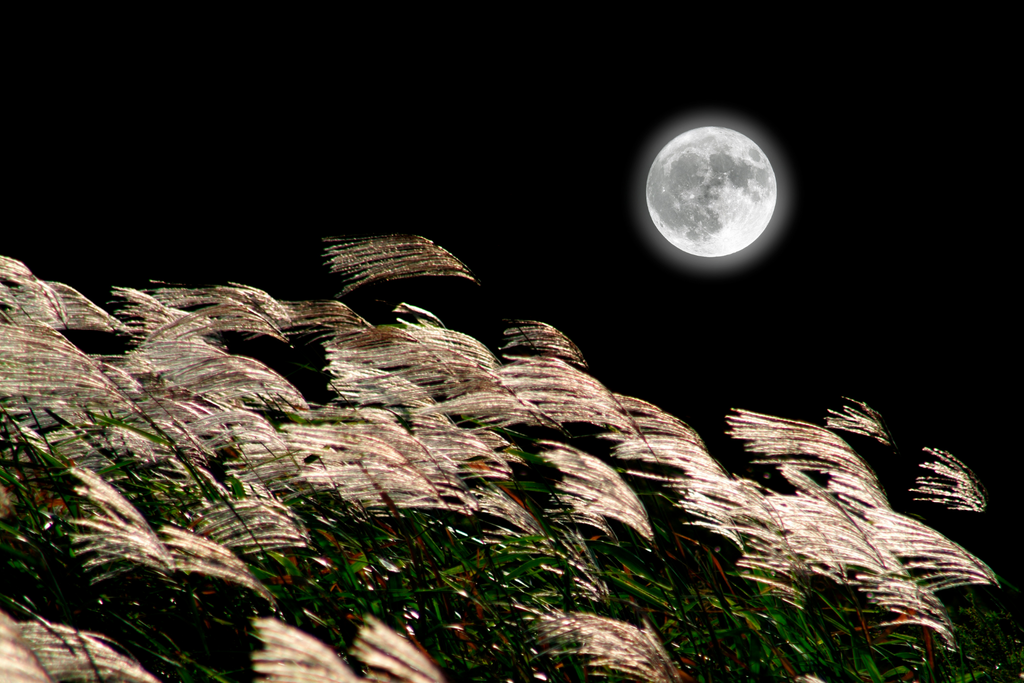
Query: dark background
(200, 159)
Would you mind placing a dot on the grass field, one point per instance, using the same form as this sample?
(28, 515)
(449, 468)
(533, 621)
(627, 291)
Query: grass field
(180, 512)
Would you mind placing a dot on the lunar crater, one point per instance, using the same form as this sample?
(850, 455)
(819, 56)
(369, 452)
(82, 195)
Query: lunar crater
(711, 191)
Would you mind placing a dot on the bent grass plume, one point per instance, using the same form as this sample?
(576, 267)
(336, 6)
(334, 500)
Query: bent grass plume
(181, 512)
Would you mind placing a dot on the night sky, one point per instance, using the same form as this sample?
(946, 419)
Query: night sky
(891, 279)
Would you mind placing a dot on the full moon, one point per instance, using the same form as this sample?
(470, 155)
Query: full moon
(711, 191)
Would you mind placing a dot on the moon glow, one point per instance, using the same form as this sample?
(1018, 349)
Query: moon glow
(711, 191)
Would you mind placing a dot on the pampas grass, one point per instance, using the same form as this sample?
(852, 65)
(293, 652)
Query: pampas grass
(179, 512)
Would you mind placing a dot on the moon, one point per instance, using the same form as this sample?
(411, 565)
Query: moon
(711, 191)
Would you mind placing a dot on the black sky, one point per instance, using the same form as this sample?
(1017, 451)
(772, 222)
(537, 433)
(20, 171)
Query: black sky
(894, 283)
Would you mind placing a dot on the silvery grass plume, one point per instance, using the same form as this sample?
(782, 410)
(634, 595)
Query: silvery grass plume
(122, 537)
(161, 314)
(866, 421)
(17, 660)
(44, 373)
(194, 553)
(212, 320)
(197, 368)
(54, 652)
(540, 339)
(538, 391)
(498, 503)
(263, 312)
(362, 260)
(27, 300)
(370, 465)
(955, 485)
(593, 491)
(476, 454)
(394, 658)
(415, 365)
(99, 446)
(291, 656)
(251, 525)
(316, 321)
(610, 643)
